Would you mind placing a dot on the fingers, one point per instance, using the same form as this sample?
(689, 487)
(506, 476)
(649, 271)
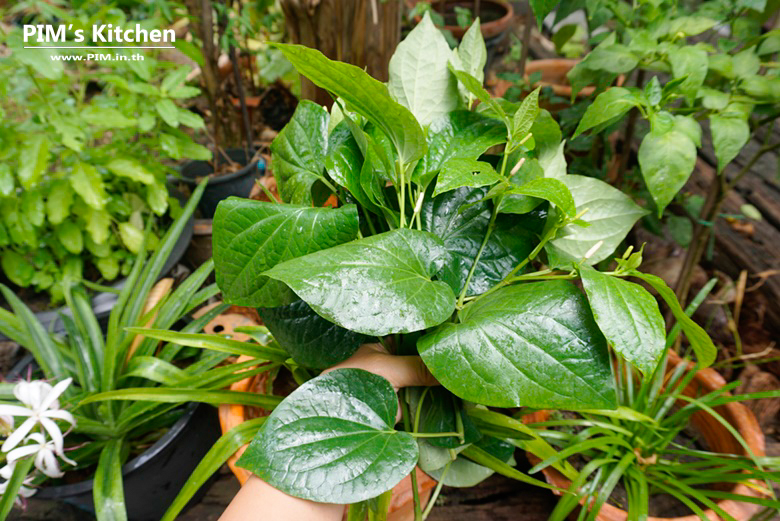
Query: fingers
(400, 371)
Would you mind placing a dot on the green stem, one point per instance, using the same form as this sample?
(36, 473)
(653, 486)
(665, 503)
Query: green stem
(434, 434)
(482, 246)
(402, 194)
(407, 426)
(436, 491)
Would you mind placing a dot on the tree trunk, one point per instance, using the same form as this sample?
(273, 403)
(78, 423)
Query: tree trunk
(361, 32)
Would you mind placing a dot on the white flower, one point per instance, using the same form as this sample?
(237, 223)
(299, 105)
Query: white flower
(6, 473)
(45, 455)
(41, 406)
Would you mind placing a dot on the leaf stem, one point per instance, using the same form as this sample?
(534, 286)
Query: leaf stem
(407, 425)
(402, 193)
(488, 233)
(436, 491)
(434, 434)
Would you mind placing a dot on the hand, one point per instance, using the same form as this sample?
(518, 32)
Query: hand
(400, 371)
(257, 496)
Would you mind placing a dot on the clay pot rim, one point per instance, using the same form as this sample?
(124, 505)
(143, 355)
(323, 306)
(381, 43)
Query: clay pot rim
(743, 420)
(489, 29)
(563, 91)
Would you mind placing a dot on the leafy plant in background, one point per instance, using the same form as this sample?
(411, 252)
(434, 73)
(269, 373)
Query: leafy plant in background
(149, 380)
(83, 165)
(732, 86)
(435, 249)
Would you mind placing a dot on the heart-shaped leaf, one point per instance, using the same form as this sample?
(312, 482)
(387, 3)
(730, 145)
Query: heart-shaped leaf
(532, 345)
(463, 230)
(629, 317)
(253, 236)
(310, 339)
(298, 153)
(456, 173)
(376, 286)
(332, 440)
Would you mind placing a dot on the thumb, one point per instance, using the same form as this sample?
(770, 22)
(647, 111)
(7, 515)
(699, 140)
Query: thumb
(406, 371)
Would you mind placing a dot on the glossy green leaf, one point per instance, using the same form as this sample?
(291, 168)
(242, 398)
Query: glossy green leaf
(610, 215)
(462, 135)
(363, 94)
(700, 341)
(517, 203)
(252, 236)
(607, 106)
(184, 395)
(332, 440)
(461, 221)
(86, 181)
(376, 286)
(730, 132)
(525, 116)
(33, 159)
(298, 153)
(532, 345)
(475, 87)
(457, 173)
(628, 316)
(107, 490)
(666, 160)
(310, 339)
(419, 77)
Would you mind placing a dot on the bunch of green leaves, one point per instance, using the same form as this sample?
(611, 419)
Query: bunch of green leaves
(83, 160)
(435, 249)
(732, 85)
(145, 381)
(642, 446)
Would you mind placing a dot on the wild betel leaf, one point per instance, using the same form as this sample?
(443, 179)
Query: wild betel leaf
(332, 440)
(310, 339)
(298, 153)
(629, 317)
(463, 230)
(419, 78)
(457, 173)
(252, 236)
(532, 345)
(730, 132)
(607, 106)
(363, 94)
(376, 286)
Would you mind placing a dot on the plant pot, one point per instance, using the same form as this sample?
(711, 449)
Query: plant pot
(495, 16)
(231, 415)
(238, 183)
(103, 302)
(154, 478)
(715, 435)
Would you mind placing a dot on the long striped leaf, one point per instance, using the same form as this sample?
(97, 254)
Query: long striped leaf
(154, 369)
(225, 447)
(214, 342)
(107, 491)
(13, 485)
(40, 343)
(156, 394)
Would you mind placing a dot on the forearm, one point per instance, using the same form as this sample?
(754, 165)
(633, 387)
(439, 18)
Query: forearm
(259, 501)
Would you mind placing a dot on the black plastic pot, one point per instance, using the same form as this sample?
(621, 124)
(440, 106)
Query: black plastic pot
(153, 479)
(221, 187)
(103, 302)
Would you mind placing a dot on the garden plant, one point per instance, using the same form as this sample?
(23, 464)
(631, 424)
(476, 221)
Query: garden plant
(86, 364)
(85, 155)
(434, 248)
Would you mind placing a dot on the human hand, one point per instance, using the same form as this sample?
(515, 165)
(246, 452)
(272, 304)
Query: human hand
(400, 371)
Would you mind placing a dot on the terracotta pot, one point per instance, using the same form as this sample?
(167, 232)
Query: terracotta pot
(231, 415)
(715, 435)
(490, 29)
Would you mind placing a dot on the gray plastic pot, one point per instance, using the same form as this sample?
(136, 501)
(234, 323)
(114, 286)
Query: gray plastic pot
(221, 187)
(153, 479)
